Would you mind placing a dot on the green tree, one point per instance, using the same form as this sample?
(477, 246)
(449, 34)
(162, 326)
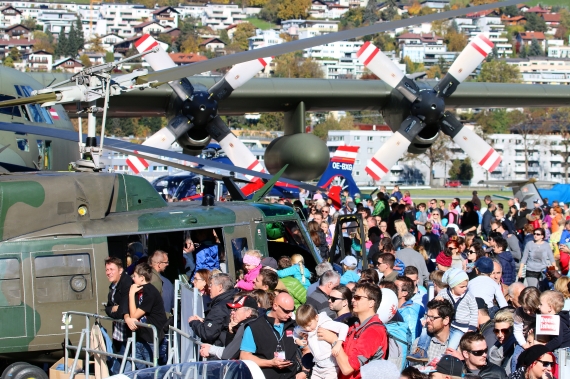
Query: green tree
(535, 23)
(385, 42)
(455, 169)
(498, 72)
(455, 41)
(436, 153)
(243, 31)
(271, 121)
(466, 170)
(8, 62)
(15, 54)
(269, 11)
(523, 53)
(293, 65)
(80, 36)
(109, 57)
(153, 124)
(511, 11)
(535, 49)
(44, 41)
(389, 14)
(224, 36)
(321, 130)
(29, 23)
(72, 41)
(352, 19)
(62, 48)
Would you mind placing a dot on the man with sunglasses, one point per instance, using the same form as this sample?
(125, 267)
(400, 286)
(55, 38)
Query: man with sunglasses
(474, 351)
(268, 341)
(367, 339)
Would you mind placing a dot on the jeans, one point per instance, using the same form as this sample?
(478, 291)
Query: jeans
(115, 363)
(424, 340)
(454, 337)
(143, 352)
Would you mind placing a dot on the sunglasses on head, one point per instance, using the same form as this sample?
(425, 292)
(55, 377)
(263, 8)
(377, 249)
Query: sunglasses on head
(478, 353)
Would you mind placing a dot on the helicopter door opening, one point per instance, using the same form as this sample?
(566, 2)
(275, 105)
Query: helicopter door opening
(288, 238)
(12, 305)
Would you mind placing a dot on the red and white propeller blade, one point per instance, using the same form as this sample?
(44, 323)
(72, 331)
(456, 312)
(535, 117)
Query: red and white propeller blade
(473, 145)
(238, 76)
(383, 67)
(394, 148)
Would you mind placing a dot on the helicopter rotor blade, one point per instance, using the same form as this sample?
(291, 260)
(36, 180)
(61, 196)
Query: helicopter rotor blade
(37, 99)
(305, 43)
(237, 76)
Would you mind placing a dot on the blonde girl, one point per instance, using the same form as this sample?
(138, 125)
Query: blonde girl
(297, 270)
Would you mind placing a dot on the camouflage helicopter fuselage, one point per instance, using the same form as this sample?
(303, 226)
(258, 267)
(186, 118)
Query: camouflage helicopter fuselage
(56, 229)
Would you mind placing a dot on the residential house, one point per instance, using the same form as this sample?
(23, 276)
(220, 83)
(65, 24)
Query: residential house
(174, 33)
(69, 65)
(418, 46)
(23, 45)
(220, 16)
(513, 21)
(56, 20)
(153, 28)
(108, 41)
(96, 58)
(40, 60)
(10, 16)
(166, 16)
(17, 31)
(558, 51)
(309, 28)
(122, 18)
(525, 39)
(543, 70)
(191, 10)
(537, 9)
(213, 44)
(264, 38)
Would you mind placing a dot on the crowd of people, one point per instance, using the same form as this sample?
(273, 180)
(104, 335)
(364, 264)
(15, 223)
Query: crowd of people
(448, 290)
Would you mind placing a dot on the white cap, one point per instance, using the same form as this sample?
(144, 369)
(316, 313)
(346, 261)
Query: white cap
(349, 260)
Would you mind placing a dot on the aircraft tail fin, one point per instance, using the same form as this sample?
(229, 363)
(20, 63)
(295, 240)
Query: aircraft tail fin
(341, 164)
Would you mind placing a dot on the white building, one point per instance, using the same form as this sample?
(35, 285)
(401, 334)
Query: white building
(122, 18)
(56, 20)
(220, 16)
(264, 38)
(309, 28)
(544, 163)
(334, 50)
(9, 15)
(543, 70)
(558, 51)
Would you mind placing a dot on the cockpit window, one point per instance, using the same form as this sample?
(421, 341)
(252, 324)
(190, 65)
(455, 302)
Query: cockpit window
(12, 111)
(35, 112)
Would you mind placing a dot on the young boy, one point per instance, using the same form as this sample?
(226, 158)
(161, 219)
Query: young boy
(551, 303)
(349, 266)
(146, 306)
(308, 321)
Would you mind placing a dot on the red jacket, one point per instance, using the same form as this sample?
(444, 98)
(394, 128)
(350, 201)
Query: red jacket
(364, 341)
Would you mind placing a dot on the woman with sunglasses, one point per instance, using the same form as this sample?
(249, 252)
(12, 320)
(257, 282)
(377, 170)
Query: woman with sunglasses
(536, 362)
(537, 257)
(501, 352)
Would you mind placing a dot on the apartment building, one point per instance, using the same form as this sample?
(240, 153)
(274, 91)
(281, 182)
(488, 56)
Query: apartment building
(543, 70)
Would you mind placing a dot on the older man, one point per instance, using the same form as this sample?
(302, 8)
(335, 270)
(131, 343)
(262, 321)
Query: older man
(320, 297)
(410, 257)
(319, 270)
(158, 261)
(268, 342)
(515, 290)
(213, 327)
(243, 311)
(367, 339)
(474, 353)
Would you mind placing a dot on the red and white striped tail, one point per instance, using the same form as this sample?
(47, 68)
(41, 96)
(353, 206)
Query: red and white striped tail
(382, 66)
(387, 156)
(53, 113)
(137, 164)
(471, 57)
(476, 148)
(346, 154)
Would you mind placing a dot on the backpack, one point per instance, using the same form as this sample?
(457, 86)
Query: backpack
(399, 343)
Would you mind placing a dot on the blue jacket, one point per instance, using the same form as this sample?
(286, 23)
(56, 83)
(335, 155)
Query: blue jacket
(349, 276)
(207, 256)
(412, 313)
(508, 264)
(295, 271)
(565, 237)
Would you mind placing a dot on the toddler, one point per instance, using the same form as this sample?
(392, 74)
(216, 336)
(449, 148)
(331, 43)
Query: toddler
(551, 303)
(297, 270)
(308, 321)
(252, 266)
(524, 320)
(464, 303)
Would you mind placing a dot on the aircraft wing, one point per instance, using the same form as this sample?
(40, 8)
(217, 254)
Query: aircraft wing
(320, 95)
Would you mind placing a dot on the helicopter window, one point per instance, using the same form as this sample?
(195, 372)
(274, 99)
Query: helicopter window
(288, 238)
(239, 247)
(10, 282)
(23, 144)
(37, 113)
(63, 278)
(12, 111)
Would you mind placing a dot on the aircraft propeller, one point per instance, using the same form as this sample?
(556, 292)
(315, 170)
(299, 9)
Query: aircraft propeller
(427, 107)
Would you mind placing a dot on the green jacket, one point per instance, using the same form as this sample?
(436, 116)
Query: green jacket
(381, 209)
(295, 289)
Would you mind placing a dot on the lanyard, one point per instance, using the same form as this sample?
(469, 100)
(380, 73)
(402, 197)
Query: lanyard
(275, 333)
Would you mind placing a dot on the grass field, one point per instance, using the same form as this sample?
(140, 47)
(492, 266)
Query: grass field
(260, 24)
(564, 3)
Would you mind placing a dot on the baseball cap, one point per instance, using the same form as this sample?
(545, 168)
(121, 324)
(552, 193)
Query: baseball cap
(481, 304)
(243, 301)
(449, 365)
(484, 265)
(349, 260)
(269, 262)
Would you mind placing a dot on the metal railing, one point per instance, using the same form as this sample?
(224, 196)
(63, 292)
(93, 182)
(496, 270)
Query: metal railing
(85, 338)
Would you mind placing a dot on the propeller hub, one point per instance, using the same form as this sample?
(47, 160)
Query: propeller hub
(201, 109)
(429, 107)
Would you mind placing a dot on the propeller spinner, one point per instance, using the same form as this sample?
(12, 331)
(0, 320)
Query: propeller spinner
(427, 107)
